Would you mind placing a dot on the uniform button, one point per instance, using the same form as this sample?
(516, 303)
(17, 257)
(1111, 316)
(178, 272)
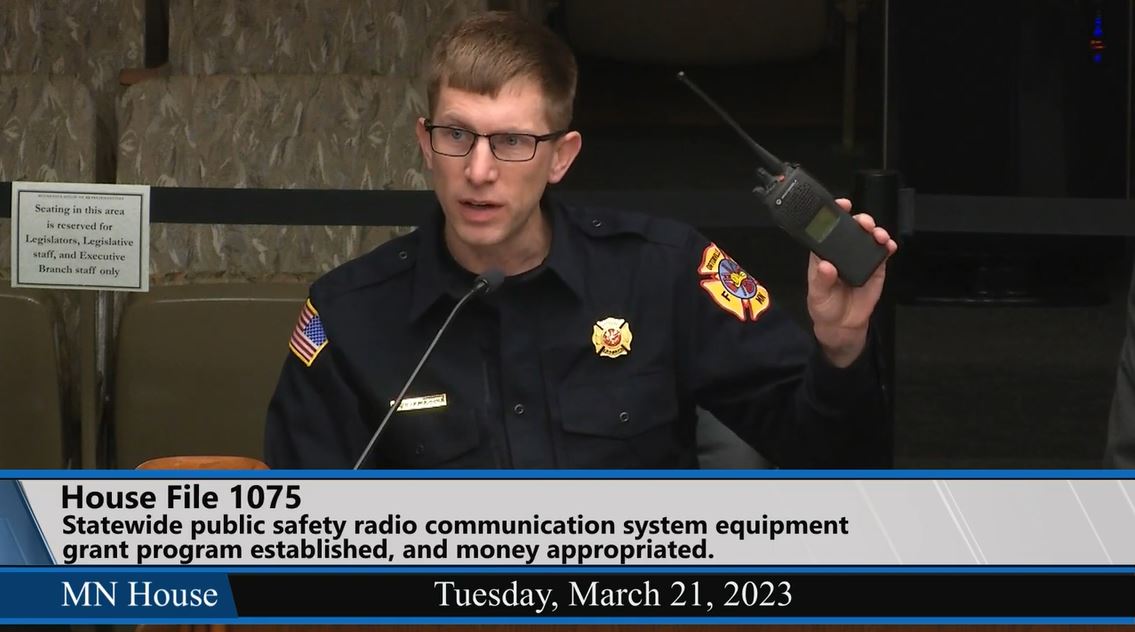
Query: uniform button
(402, 254)
(518, 409)
(419, 449)
(624, 416)
(597, 223)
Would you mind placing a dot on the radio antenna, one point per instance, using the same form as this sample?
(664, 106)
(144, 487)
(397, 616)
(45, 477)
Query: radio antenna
(772, 164)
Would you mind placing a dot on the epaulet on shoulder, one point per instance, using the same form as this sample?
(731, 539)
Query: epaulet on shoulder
(605, 222)
(385, 262)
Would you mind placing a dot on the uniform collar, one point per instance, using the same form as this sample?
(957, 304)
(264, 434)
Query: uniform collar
(566, 257)
(437, 275)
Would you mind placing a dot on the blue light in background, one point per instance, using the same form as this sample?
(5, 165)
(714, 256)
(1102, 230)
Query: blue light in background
(1096, 44)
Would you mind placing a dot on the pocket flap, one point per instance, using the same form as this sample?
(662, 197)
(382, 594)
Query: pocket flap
(429, 439)
(621, 409)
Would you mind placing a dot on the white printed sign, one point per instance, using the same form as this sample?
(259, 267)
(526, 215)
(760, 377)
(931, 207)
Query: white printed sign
(81, 236)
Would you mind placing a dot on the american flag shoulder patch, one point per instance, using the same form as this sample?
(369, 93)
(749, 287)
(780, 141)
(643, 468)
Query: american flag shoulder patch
(308, 339)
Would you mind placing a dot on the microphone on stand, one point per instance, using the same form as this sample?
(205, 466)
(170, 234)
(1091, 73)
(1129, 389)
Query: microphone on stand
(487, 282)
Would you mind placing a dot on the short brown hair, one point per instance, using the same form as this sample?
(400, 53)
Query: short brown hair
(486, 51)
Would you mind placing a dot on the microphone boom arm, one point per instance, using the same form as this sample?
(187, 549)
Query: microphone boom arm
(484, 283)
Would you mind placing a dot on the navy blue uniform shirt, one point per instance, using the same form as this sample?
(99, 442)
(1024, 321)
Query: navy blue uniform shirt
(595, 359)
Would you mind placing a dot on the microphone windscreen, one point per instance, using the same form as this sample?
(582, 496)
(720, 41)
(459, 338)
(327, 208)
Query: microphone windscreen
(492, 279)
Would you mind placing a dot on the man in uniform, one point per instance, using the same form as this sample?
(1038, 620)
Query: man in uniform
(607, 332)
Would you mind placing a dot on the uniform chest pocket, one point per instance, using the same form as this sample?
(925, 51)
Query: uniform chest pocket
(620, 409)
(425, 439)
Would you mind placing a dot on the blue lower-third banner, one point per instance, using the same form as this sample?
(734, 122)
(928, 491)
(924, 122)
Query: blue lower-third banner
(567, 547)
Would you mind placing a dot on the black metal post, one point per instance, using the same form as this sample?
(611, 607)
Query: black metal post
(877, 193)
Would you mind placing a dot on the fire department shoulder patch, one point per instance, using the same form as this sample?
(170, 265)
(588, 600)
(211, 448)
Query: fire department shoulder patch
(730, 286)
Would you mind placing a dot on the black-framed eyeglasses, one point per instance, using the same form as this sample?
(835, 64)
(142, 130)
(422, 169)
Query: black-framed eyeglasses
(507, 146)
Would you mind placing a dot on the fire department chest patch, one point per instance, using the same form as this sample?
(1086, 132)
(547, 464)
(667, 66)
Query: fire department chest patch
(730, 286)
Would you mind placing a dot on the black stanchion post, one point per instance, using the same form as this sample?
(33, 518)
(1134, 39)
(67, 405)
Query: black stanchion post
(877, 193)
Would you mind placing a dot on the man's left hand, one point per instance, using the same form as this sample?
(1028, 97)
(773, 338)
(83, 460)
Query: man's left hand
(840, 312)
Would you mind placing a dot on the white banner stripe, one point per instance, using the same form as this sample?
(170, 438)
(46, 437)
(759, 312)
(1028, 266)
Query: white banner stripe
(528, 521)
(959, 520)
(878, 521)
(1091, 524)
(1123, 490)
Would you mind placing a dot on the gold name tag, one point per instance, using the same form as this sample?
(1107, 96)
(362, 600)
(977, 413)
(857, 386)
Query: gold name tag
(421, 403)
